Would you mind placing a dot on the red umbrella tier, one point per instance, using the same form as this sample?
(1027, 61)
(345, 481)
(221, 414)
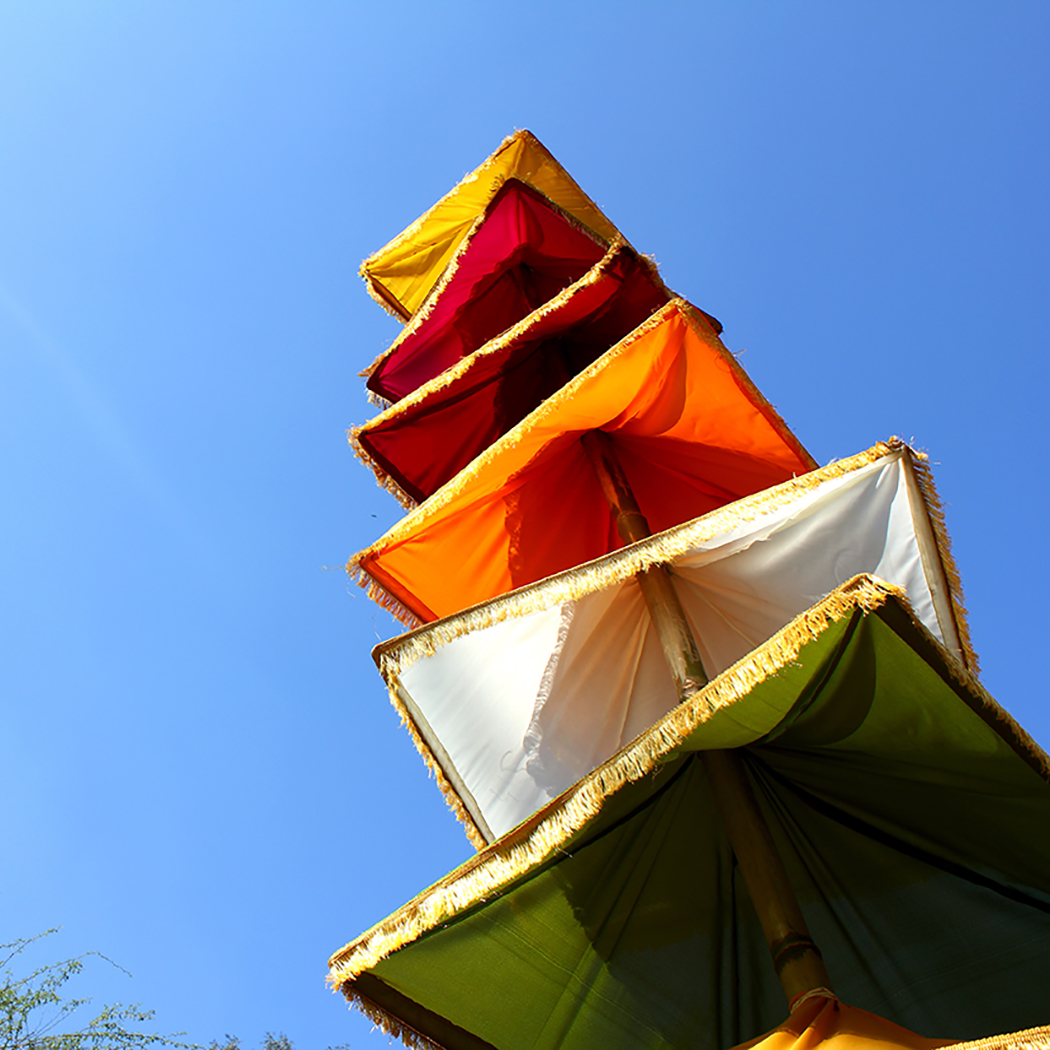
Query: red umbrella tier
(521, 252)
(419, 444)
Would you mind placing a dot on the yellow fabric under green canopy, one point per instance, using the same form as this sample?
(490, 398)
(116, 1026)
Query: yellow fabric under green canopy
(824, 1023)
(401, 274)
(911, 813)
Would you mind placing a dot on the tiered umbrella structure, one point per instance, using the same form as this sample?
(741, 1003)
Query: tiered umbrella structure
(710, 714)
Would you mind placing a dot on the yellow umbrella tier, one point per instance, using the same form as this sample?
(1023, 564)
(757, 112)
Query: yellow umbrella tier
(400, 275)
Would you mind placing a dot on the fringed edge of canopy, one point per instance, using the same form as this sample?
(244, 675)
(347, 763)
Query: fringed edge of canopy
(548, 830)
(935, 511)
(378, 400)
(426, 307)
(758, 399)
(386, 1022)
(1027, 1039)
(373, 283)
(382, 595)
(498, 342)
(383, 478)
(437, 771)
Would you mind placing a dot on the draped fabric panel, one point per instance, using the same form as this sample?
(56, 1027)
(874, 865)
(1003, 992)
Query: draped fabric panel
(692, 434)
(401, 274)
(521, 252)
(826, 1023)
(422, 442)
(910, 812)
(522, 700)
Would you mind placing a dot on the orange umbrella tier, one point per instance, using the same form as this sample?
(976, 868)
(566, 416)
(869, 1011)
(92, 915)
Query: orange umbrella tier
(691, 431)
(423, 441)
(521, 252)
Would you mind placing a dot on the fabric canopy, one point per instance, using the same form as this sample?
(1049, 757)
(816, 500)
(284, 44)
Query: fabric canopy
(910, 812)
(401, 275)
(521, 251)
(825, 1023)
(512, 702)
(689, 428)
(420, 443)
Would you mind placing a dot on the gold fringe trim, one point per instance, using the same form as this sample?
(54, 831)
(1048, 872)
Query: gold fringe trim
(377, 399)
(426, 308)
(372, 286)
(1028, 1039)
(452, 799)
(413, 228)
(990, 711)
(387, 1022)
(463, 480)
(499, 342)
(548, 830)
(494, 346)
(383, 478)
(935, 510)
(410, 231)
(382, 597)
(397, 655)
(702, 324)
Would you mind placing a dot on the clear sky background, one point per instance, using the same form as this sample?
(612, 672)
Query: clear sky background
(200, 773)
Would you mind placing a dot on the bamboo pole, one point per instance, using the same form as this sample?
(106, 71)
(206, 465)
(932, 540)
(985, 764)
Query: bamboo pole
(796, 959)
(672, 627)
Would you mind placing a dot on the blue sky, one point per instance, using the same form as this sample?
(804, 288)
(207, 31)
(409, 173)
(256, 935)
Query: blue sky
(200, 773)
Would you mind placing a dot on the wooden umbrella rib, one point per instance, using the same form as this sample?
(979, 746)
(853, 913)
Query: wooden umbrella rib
(438, 1031)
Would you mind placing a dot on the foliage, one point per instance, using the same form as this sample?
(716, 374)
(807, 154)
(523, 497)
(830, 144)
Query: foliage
(272, 1042)
(35, 1015)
